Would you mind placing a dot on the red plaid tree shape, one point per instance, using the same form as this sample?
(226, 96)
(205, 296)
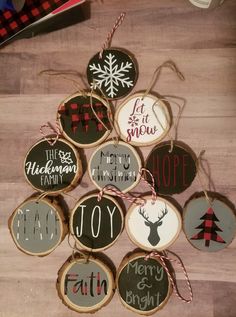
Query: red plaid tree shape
(209, 229)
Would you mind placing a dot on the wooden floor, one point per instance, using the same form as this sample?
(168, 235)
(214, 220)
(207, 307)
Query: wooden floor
(203, 45)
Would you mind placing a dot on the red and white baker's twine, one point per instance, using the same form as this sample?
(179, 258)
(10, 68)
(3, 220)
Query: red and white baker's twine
(118, 22)
(136, 200)
(162, 258)
(55, 131)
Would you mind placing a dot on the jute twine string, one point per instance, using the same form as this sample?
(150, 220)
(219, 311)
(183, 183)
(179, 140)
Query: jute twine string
(163, 259)
(108, 40)
(76, 251)
(139, 201)
(55, 131)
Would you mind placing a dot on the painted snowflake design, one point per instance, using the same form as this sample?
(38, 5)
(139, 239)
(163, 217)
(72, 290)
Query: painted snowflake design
(133, 121)
(112, 75)
(65, 157)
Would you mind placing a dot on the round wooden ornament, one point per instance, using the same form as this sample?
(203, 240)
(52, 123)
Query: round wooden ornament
(38, 226)
(153, 226)
(206, 4)
(115, 72)
(116, 164)
(209, 227)
(85, 119)
(142, 119)
(143, 284)
(85, 286)
(96, 225)
(174, 170)
(52, 168)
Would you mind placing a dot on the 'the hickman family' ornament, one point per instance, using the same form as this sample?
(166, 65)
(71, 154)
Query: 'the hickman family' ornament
(85, 286)
(38, 226)
(143, 284)
(52, 167)
(96, 225)
(173, 170)
(209, 227)
(84, 119)
(115, 164)
(142, 119)
(155, 225)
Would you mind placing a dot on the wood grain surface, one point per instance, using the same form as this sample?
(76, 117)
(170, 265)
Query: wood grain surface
(203, 45)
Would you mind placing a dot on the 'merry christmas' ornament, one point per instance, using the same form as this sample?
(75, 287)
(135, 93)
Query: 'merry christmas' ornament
(84, 119)
(96, 225)
(209, 227)
(38, 226)
(142, 119)
(85, 286)
(173, 170)
(52, 167)
(115, 164)
(153, 226)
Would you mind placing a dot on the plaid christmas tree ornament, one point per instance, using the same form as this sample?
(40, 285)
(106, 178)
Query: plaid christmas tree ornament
(209, 229)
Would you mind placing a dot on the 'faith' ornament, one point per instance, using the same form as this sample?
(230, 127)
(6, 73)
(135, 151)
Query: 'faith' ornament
(143, 284)
(96, 225)
(153, 226)
(174, 170)
(142, 119)
(85, 286)
(52, 168)
(114, 72)
(209, 227)
(84, 119)
(116, 164)
(38, 226)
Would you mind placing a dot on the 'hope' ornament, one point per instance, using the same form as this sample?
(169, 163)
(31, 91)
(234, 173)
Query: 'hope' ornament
(78, 121)
(174, 170)
(153, 226)
(52, 168)
(209, 227)
(38, 226)
(85, 286)
(142, 119)
(96, 225)
(143, 284)
(116, 164)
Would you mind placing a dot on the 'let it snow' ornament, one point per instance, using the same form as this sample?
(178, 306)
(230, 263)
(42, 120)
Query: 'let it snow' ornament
(142, 119)
(116, 164)
(174, 170)
(52, 167)
(80, 124)
(209, 227)
(143, 284)
(85, 286)
(96, 225)
(37, 226)
(153, 226)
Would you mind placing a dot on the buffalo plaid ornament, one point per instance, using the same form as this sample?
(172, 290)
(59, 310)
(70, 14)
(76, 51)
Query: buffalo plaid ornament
(209, 226)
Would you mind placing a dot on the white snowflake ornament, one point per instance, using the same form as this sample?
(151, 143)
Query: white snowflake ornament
(114, 73)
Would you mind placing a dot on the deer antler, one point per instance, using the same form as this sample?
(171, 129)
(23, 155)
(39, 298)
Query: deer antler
(164, 212)
(142, 213)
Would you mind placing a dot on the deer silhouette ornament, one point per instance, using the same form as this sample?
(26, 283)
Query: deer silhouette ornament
(153, 237)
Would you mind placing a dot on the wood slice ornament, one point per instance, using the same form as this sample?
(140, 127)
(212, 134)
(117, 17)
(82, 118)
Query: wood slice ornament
(96, 225)
(142, 119)
(85, 119)
(38, 226)
(173, 170)
(209, 227)
(85, 286)
(114, 72)
(116, 164)
(153, 226)
(54, 167)
(143, 284)
(206, 4)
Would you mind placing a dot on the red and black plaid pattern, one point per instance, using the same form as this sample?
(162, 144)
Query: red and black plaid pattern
(209, 229)
(33, 10)
(83, 114)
